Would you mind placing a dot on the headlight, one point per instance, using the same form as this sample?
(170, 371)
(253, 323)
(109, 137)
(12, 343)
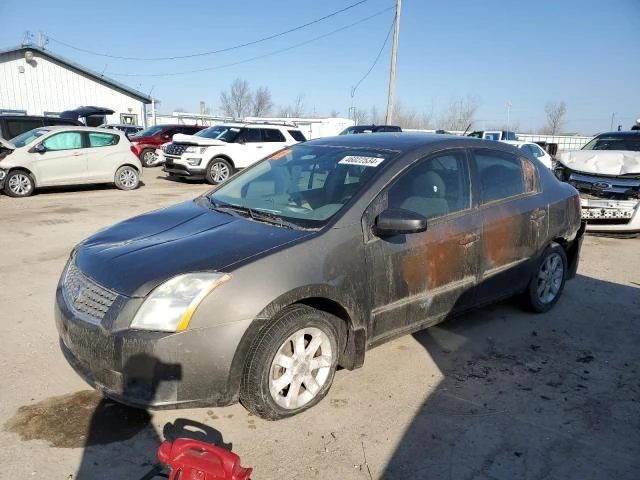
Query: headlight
(191, 150)
(170, 306)
(560, 171)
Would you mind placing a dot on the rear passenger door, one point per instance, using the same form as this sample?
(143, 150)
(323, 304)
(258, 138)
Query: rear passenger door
(273, 140)
(419, 278)
(514, 226)
(102, 156)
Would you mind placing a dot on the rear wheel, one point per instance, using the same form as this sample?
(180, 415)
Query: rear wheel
(291, 365)
(218, 171)
(148, 157)
(19, 184)
(127, 178)
(548, 279)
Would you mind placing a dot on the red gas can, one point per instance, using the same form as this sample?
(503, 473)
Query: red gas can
(194, 460)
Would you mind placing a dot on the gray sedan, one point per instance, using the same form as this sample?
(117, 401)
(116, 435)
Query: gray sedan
(260, 289)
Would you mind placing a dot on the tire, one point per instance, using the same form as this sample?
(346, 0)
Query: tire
(19, 184)
(267, 386)
(548, 279)
(148, 157)
(127, 178)
(218, 171)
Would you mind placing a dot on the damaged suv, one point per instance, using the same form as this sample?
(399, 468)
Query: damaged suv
(606, 172)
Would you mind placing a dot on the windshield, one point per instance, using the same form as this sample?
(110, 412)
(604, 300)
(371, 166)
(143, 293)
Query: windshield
(220, 132)
(303, 185)
(357, 129)
(27, 137)
(150, 132)
(613, 142)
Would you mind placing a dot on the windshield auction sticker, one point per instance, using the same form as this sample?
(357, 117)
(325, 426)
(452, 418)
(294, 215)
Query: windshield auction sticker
(362, 161)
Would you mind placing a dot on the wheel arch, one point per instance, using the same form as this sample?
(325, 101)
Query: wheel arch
(224, 157)
(352, 355)
(26, 170)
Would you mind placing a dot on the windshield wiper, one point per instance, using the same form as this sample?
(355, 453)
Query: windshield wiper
(258, 215)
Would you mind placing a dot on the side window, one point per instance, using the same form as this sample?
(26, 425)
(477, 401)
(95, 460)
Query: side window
(297, 135)
(501, 175)
(64, 141)
(17, 127)
(102, 139)
(435, 187)
(537, 151)
(250, 135)
(272, 135)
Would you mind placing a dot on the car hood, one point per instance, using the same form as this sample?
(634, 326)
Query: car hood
(195, 140)
(134, 256)
(603, 162)
(135, 139)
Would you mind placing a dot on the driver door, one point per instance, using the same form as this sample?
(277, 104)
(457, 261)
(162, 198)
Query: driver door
(417, 279)
(64, 161)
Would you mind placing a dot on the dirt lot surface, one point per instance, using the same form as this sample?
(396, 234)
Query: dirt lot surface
(498, 394)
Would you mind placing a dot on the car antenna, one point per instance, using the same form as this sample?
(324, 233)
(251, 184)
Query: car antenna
(466, 130)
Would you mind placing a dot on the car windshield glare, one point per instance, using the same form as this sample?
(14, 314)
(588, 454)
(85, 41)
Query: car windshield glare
(150, 132)
(614, 143)
(220, 132)
(305, 185)
(27, 137)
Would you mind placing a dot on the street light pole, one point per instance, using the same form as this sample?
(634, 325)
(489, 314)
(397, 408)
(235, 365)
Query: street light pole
(394, 54)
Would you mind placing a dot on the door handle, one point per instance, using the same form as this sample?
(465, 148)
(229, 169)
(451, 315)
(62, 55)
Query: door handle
(469, 238)
(77, 154)
(538, 215)
(259, 146)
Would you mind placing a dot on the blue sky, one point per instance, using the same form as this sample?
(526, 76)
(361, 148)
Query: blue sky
(584, 53)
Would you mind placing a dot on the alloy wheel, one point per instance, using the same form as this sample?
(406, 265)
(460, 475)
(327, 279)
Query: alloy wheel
(549, 279)
(300, 368)
(219, 172)
(128, 178)
(20, 184)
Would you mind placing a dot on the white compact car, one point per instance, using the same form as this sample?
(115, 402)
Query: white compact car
(219, 151)
(53, 156)
(532, 149)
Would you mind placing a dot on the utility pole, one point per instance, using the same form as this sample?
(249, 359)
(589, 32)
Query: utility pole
(394, 54)
(613, 115)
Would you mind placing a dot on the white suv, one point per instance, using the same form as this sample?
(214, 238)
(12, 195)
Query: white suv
(219, 151)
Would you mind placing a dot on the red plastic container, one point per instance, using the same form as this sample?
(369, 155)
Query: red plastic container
(194, 460)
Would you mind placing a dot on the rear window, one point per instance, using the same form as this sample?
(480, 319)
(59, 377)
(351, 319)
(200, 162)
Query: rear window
(297, 135)
(102, 139)
(16, 126)
(272, 135)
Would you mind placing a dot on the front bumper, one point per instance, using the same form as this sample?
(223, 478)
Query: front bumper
(602, 215)
(179, 166)
(149, 369)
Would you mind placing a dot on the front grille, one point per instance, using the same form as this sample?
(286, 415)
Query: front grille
(175, 149)
(605, 187)
(86, 296)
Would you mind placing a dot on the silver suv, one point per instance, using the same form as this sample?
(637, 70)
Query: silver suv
(218, 152)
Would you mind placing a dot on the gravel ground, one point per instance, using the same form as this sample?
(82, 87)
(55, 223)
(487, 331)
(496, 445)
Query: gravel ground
(497, 394)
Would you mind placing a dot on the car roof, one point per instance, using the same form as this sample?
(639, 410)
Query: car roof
(81, 127)
(404, 141)
(518, 142)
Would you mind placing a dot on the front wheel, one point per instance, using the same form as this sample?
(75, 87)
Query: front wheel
(291, 365)
(218, 171)
(127, 178)
(19, 184)
(548, 279)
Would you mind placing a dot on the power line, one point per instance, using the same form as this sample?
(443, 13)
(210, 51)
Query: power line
(353, 89)
(259, 57)
(212, 52)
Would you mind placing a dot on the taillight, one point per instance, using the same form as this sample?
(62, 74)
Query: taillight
(133, 150)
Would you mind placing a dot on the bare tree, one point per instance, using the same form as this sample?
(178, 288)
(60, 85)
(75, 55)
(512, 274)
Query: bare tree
(555, 117)
(460, 113)
(295, 110)
(262, 103)
(334, 113)
(359, 116)
(237, 101)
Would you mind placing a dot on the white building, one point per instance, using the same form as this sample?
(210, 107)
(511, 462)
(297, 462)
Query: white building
(36, 81)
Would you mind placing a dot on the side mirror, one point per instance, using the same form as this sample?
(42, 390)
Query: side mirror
(398, 222)
(39, 148)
